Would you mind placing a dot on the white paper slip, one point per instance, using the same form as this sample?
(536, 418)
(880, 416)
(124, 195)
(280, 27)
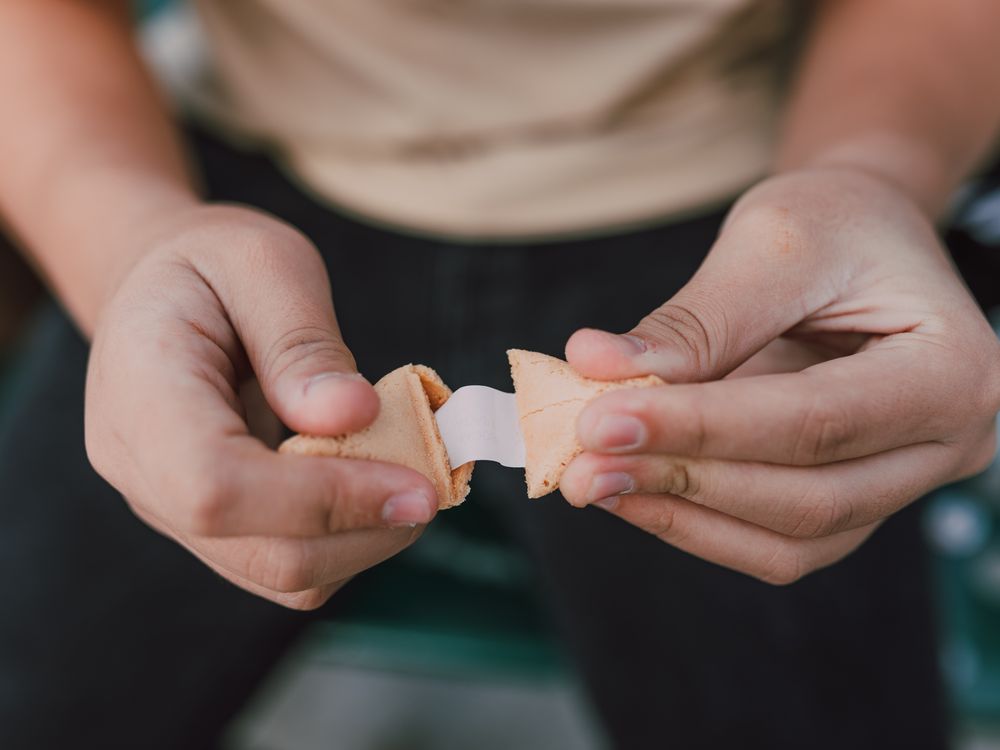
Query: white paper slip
(480, 424)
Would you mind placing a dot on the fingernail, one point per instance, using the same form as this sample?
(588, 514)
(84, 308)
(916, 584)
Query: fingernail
(618, 432)
(608, 503)
(631, 345)
(408, 509)
(608, 485)
(324, 376)
(626, 343)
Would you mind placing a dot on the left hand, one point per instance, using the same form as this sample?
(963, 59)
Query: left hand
(828, 367)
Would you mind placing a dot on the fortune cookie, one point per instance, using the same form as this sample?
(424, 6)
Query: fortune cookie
(550, 396)
(405, 432)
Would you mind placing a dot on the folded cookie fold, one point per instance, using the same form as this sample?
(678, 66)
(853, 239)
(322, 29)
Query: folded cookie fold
(550, 396)
(405, 432)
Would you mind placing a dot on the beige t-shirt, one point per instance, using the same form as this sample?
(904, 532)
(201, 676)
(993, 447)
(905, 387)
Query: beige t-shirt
(504, 117)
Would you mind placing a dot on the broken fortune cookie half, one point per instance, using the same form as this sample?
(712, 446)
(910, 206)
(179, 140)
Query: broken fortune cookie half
(550, 396)
(405, 432)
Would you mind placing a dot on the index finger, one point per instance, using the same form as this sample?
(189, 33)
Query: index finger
(244, 488)
(885, 397)
(209, 477)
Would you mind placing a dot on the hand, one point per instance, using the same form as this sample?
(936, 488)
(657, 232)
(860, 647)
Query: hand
(857, 375)
(223, 299)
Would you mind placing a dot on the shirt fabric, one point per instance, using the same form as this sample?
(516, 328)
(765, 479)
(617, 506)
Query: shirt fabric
(504, 118)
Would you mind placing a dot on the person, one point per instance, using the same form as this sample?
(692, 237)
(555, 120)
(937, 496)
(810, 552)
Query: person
(529, 174)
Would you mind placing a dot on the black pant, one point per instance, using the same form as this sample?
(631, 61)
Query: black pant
(112, 637)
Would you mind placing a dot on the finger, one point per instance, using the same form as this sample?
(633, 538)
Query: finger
(734, 543)
(756, 283)
(288, 565)
(292, 572)
(282, 311)
(308, 599)
(882, 398)
(801, 502)
(303, 601)
(239, 488)
(210, 478)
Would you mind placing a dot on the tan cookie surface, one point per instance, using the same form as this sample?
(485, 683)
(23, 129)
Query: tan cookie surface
(405, 432)
(550, 396)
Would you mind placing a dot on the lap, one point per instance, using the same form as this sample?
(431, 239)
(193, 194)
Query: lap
(110, 627)
(111, 635)
(676, 650)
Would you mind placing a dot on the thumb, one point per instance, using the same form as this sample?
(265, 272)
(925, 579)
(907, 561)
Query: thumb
(730, 309)
(309, 377)
(282, 311)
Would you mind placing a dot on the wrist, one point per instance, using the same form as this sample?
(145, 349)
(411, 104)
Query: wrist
(823, 202)
(88, 255)
(910, 167)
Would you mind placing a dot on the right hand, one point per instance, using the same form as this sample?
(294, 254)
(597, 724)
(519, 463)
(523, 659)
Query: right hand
(222, 298)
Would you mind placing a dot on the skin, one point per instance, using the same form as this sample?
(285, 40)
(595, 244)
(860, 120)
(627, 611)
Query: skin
(196, 311)
(210, 323)
(831, 366)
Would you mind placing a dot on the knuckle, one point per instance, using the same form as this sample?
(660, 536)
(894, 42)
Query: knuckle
(209, 504)
(821, 512)
(697, 335)
(787, 227)
(823, 433)
(353, 497)
(784, 565)
(339, 513)
(304, 601)
(290, 577)
(262, 241)
(298, 344)
(663, 524)
(679, 479)
(281, 566)
(687, 418)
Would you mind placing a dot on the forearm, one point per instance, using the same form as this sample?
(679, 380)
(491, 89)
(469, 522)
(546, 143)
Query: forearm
(90, 155)
(908, 90)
